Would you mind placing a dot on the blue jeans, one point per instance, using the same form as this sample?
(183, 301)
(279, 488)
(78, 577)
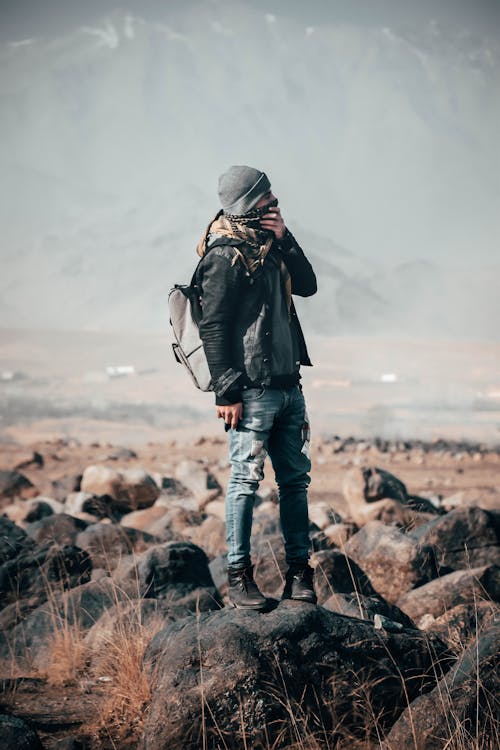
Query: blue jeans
(274, 422)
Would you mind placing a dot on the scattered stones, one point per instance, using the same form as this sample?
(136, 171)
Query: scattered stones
(392, 560)
(459, 587)
(130, 489)
(236, 655)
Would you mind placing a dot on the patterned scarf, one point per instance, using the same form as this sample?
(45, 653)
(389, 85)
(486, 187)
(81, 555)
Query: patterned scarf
(257, 242)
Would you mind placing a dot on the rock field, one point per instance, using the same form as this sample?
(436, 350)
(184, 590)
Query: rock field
(115, 630)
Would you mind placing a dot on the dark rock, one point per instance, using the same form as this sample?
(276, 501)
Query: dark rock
(59, 528)
(32, 460)
(13, 540)
(463, 704)
(18, 734)
(466, 537)
(106, 542)
(130, 489)
(28, 645)
(14, 484)
(254, 671)
(392, 560)
(62, 486)
(177, 571)
(100, 506)
(375, 494)
(342, 586)
(459, 587)
(121, 454)
(36, 572)
(38, 509)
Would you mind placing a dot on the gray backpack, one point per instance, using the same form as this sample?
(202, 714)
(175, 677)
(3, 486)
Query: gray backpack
(184, 305)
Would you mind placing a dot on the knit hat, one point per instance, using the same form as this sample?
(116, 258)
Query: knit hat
(240, 188)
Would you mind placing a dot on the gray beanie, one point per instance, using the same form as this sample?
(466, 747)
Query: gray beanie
(240, 188)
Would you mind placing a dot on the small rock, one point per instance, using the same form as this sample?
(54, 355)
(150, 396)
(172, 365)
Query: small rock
(13, 484)
(198, 480)
(130, 489)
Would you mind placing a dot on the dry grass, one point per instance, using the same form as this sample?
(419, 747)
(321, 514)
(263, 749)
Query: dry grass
(67, 655)
(119, 662)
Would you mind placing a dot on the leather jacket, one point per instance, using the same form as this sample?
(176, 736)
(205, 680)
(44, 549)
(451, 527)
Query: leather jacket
(237, 324)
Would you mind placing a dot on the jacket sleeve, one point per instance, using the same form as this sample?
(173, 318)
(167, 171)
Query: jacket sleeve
(220, 284)
(301, 272)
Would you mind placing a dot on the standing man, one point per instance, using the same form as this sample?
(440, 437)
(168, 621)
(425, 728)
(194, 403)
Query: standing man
(254, 347)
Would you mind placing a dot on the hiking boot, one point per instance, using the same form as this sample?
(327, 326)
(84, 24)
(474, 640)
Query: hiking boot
(299, 584)
(243, 591)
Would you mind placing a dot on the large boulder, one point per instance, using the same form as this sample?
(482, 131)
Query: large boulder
(466, 537)
(392, 560)
(36, 572)
(108, 542)
(130, 489)
(243, 676)
(342, 586)
(459, 587)
(177, 571)
(463, 705)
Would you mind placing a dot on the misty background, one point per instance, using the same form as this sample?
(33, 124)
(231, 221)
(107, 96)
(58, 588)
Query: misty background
(377, 123)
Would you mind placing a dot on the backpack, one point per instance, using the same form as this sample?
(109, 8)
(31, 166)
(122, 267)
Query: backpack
(184, 305)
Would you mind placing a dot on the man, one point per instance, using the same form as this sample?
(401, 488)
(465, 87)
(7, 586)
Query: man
(254, 347)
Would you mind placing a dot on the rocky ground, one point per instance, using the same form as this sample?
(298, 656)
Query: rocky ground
(114, 629)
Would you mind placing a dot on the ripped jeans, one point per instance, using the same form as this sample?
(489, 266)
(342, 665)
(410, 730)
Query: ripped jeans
(274, 422)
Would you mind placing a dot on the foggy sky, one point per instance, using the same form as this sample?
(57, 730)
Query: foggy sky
(375, 137)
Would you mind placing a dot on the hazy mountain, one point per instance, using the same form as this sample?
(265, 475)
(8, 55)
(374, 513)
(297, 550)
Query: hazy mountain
(377, 139)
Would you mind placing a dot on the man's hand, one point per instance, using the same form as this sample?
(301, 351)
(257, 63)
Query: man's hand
(230, 414)
(274, 222)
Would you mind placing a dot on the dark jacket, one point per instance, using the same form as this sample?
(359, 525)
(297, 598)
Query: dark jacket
(237, 326)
